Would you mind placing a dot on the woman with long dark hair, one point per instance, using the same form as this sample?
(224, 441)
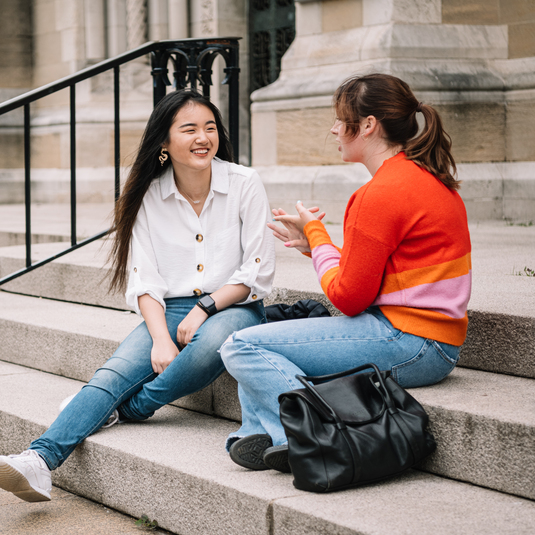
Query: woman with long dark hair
(402, 277)
(190, 236)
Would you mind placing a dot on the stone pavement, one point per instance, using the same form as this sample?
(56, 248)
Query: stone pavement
(66, 514)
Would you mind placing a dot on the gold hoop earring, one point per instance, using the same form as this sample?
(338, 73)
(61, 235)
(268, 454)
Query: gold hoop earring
(163, 156)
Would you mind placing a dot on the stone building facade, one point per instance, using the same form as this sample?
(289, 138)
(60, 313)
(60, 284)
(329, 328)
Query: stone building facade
(473, 59)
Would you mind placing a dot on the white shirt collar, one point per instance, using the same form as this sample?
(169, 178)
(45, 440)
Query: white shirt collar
(220, 180)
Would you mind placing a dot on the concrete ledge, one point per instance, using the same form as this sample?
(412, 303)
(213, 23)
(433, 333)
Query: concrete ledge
(499, 405)
(500, 343)
(173, 468)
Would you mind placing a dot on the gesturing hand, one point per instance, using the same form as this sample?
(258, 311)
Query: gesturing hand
(292, 234)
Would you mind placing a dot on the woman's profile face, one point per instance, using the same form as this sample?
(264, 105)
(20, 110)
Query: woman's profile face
(348, 144)
(193, 138)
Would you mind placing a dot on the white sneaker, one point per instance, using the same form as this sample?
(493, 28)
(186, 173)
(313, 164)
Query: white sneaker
(26, 475)
(112, 420)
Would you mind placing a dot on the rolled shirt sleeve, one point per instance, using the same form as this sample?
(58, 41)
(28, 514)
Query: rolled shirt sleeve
(144, 277)
(258, 266)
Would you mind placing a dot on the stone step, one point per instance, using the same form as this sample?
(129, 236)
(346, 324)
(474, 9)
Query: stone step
(173, 468)
(486, 420)
(501, 310)
(52, 222)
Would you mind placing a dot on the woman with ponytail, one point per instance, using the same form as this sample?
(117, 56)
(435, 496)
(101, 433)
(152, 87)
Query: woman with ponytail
(190, 237)
(402, 278)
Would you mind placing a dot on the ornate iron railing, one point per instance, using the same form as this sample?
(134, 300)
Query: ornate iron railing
(192, 61)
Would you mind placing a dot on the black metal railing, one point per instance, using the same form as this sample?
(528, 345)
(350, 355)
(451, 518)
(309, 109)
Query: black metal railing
(192, 61)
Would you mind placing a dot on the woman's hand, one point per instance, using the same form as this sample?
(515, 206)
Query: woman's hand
(164, 351)
(292, 234)
(189, 325)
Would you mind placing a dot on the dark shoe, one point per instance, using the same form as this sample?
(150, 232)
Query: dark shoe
(249, 451)
(276, 458)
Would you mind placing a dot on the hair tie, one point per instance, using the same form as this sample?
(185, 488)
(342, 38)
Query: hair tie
(419, 107)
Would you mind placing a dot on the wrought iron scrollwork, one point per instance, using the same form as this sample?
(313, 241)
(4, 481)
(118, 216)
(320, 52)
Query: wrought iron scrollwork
(283, 40)
(192, 62)
(261, 59)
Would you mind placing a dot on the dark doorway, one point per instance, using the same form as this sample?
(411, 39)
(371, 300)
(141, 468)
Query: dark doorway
(271, 31)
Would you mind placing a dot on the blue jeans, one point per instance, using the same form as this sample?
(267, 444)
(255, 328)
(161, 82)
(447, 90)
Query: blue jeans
(265, 359)
(127, 382)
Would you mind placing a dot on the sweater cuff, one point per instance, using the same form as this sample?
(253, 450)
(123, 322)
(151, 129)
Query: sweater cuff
(316, 234)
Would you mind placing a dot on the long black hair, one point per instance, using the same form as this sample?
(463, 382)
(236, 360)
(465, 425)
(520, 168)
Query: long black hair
(147, 167)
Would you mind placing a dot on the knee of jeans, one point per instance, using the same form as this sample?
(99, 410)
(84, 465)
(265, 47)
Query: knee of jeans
(224, 349)
(105, 378)
(230, 350)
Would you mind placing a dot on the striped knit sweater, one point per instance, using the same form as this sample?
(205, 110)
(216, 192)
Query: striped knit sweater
(406, 249)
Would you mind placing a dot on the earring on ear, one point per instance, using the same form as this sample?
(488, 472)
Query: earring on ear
(363, 136)
(163, 156)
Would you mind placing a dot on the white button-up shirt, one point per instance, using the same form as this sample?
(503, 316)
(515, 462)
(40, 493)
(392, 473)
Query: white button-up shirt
(176, 253)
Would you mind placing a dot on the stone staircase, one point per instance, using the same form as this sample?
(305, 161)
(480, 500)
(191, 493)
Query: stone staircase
(58, 324)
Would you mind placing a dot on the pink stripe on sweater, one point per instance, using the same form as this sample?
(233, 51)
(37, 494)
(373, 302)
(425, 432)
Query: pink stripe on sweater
(449, 297)
(325, 257)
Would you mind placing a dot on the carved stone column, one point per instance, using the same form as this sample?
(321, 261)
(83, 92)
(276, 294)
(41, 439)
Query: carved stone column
(178, 19)
(136, 23)
(116, 11)
(95, 30)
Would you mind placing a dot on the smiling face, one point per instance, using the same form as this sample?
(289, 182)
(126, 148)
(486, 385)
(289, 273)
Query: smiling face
(193, 139)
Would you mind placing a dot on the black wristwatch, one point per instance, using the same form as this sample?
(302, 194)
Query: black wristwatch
(208, 305)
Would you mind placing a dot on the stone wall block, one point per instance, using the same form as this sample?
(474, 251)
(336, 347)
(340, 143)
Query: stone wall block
(448, 41)
(414, 11)
(419, 11)
(12, 153)
(517, 11)
(341, 15)
(522, 40)
(308, 18)
(46, 149)
(477, 130)
(520, 131)
(303, 137)
(481, 189)
(16, 44)
(483, 209)
(519, 210)
(519, 199)
(329, 49)
(263, 128)
(472, 11)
